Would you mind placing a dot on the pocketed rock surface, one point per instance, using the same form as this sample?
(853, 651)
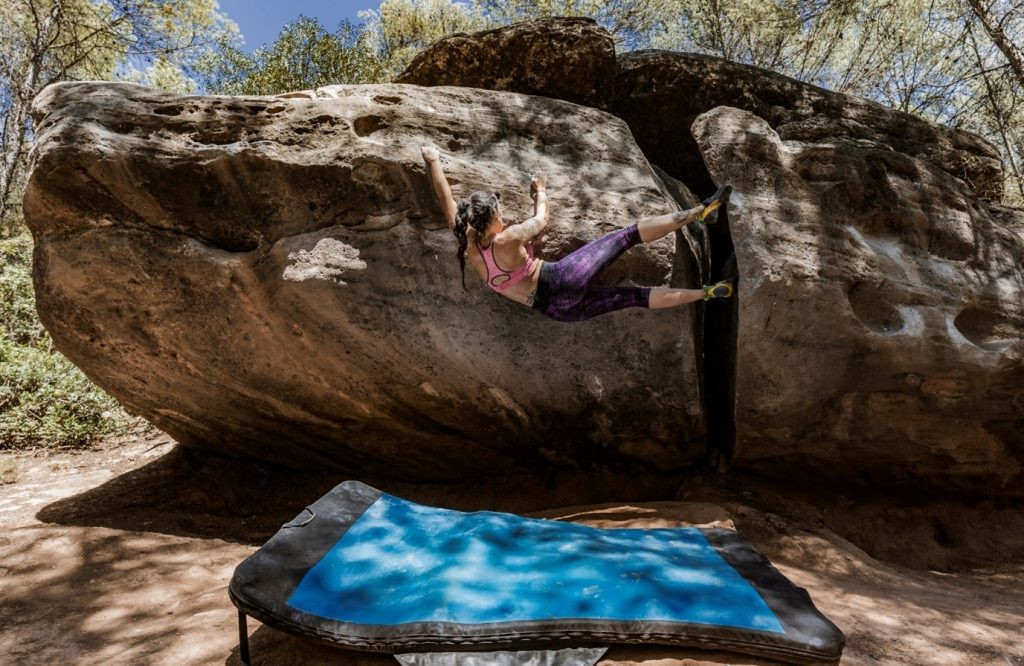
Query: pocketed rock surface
(881, 313)
(877, 334)
(280, 265)
(274, 277)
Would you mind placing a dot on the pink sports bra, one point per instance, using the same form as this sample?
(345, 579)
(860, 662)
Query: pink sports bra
(494, 271)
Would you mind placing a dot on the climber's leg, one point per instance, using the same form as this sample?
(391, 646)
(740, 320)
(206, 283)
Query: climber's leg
(653, 228)
(599, 300)
(668, 297)
(571, 275)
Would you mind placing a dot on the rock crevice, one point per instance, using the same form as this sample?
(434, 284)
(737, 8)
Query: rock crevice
(876, 336)
(864, 349)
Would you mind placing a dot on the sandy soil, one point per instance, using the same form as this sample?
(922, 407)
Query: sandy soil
(123, 554)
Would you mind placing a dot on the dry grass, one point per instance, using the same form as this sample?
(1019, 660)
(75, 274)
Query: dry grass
(8, 471)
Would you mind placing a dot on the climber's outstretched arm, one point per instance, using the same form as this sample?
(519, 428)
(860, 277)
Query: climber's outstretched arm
(526, 230)
(444, 193)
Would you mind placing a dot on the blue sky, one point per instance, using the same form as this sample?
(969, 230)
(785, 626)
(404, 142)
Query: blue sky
(260, 21)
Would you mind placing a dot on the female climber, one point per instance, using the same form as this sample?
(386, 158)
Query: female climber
(559, 289)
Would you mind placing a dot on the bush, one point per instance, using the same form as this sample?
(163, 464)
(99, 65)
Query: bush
(45, 400)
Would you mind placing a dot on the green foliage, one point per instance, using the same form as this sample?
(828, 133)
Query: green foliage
(154, 42)
(17, 302)
(305, 55)
(631, 22)
(400, 29)
(45, 400)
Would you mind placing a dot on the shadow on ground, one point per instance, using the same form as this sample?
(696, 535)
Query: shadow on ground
(135, 569)
(188, 493)
(197, 494)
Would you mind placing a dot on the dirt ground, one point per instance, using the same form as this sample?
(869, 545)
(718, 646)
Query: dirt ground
(122, 555)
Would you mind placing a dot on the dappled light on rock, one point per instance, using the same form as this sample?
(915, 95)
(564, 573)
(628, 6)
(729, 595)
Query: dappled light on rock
(273, 277)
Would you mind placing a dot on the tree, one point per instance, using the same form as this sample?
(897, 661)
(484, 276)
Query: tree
(1001, 81)
(305, 55)
(630, 22)
(999, 30)
(399, 29)
(44, 41)
(1002, 112)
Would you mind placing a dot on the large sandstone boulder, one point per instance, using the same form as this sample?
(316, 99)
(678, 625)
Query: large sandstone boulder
(881, 313)
(565, 58)
(273, 277)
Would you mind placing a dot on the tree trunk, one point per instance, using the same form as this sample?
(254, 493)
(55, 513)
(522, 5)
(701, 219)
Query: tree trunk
(15, 130)
(997, 114)
(17, 120)
(995, 32)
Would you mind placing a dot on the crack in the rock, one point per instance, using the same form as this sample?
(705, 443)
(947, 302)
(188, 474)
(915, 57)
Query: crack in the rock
(721, 327)
(69, 234)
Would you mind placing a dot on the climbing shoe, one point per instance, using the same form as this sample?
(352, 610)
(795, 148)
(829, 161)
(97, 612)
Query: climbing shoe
(712, 203)
(717, 290)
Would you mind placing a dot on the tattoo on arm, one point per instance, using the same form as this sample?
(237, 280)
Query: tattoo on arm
(524, 231)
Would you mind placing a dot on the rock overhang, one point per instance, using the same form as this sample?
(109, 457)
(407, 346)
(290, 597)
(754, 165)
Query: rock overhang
(273, 277)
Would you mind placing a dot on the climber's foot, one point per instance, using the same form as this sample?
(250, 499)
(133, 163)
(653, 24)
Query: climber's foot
(712, 203)
(717, 290)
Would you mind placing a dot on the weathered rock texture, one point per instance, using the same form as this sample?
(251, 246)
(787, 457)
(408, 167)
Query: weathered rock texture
(660, 93)
(565, 58)
(881, 312)
(274, 277)
(877, 331)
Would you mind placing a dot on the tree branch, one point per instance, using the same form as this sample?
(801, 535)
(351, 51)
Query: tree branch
(998, 37)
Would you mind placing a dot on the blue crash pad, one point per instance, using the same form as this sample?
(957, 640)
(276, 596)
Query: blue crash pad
(364, 569)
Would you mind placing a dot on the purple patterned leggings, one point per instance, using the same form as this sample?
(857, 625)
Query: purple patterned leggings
(564, 292)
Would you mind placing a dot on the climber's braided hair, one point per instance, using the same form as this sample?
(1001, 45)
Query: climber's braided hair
(475, 211)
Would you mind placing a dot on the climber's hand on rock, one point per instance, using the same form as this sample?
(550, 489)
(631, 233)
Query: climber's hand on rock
(537, 183)
(430, 154)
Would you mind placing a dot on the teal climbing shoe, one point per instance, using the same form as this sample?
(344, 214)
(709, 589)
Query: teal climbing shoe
(714, 202)
(717, 290)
